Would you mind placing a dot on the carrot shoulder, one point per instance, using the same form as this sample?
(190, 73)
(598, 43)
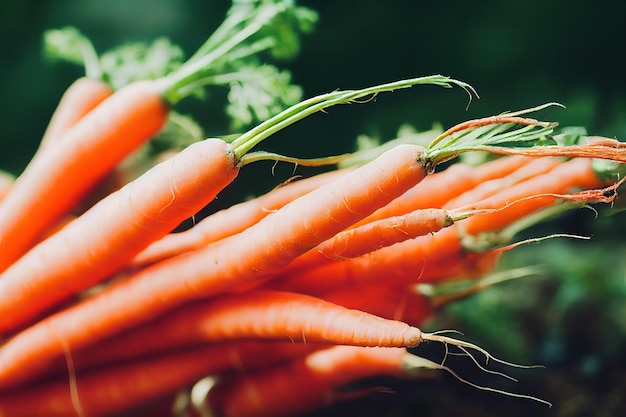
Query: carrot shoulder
(101, 241)
(232, 220)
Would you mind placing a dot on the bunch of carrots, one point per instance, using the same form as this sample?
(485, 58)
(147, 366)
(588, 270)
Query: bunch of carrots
(276, 304)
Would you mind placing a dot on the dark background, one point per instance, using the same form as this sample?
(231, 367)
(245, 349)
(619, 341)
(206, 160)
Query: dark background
(516, 54)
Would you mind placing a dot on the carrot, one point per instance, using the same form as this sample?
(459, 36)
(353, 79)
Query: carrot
(102, 241)
(82, 96)
(53, 183)
(243, 257)
(567, 177)
(423, 259)
(372, 236)
(265, 315)
(307, 383)
(232, 220)
(484, 189)
(229, 262)
(445, 253)
(86, 252)
(394, 302)
(126, 386)
(442, 186)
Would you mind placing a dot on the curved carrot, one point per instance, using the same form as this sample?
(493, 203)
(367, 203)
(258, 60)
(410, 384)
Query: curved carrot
(103, 240)
(307, 383)
(256, 315)
(232, 220)
(55, 182)
(82, 96)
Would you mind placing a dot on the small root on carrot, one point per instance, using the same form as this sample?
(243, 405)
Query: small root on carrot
(421, 362)
(464, 347)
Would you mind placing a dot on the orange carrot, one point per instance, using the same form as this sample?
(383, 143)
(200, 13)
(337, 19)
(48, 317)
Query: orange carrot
(372, 236)
(307, 383)
(484, 189)
(442, 186)
(53, 183)
(265, 315)
(394, 302)
(225, 264)
(424, 259)
(82, 96)
(232, 220)
(567, 177)
(250, 315)
(115, 389)
(100, 242)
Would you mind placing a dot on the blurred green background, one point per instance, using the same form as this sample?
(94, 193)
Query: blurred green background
(516, 54)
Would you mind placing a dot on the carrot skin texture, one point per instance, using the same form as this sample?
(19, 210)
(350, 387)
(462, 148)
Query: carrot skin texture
(423, 259)
(442, 186)
(305, 383)
(372, 236)
(393, 302)
(488, 188)
(230, 221)
(568, 176)
(268, 315)
(52, 185)
(100, 242)
(82, 96)
(295, 228)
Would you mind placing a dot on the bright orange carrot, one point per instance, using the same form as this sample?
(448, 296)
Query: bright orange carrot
(103, 240)
(266, 315)
(307, 383)
(372, 236)
(423, 259)
(87, 251)
(484, 189)
(256, 314)
(82, 96)
(394, 302)
(122, 388)
(567, 177)
(53, 183)
(442, 186)
(232, 220)
(227, 263)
